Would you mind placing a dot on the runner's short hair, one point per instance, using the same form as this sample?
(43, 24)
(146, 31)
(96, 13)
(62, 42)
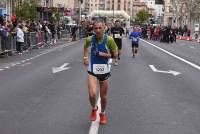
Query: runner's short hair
(99, 21)
(117, 21)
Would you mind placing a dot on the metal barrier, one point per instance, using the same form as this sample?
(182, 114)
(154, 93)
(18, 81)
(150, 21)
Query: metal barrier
(31, 40)
(8, 45)
(64, 33)
(0, 45)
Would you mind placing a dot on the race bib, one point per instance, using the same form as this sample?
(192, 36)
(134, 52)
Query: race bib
(100, 68)
(118, 36)
(135, 39)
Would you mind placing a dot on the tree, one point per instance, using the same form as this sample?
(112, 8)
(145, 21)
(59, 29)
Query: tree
(26, 11)
(192, 8)
(142, 16)
(56, 17)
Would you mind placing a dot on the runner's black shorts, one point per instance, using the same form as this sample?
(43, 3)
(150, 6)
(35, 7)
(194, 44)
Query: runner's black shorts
(119, 43)
(100, 77)
(135, 45)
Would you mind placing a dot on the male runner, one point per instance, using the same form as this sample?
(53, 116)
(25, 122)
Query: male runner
(134, 36)
(98, 49)
(117, 32)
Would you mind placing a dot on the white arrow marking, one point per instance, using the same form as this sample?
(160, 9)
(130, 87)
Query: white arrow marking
(61, 68)
(166, 72)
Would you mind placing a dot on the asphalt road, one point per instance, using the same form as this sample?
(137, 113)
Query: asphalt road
(34, 100)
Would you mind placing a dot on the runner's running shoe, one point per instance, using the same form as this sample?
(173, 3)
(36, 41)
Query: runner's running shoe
(93, 115)
(103, 118)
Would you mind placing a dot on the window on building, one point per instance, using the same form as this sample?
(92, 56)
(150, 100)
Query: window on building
(118, 7)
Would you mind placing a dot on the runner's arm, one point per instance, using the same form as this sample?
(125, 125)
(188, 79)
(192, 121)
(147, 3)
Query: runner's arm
(85, 50)
(113, 47)
(130, 35)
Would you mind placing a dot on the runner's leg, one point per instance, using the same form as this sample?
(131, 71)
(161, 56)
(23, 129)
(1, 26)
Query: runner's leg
(103, 94)
(92, 88)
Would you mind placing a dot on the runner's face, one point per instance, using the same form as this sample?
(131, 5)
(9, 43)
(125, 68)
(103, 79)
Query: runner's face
(99, 29)
(117, 24)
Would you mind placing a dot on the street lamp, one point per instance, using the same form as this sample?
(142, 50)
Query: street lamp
(113, 9)
(80, 5)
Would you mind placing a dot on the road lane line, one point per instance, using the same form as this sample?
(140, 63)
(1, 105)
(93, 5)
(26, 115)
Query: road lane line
(95, 124)
(192, 47)
(7, 67)
(173, 55)
(26, 64)
(34, 57)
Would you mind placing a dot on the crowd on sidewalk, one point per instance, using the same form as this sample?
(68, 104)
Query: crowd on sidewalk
(18, 35)
(164, 33)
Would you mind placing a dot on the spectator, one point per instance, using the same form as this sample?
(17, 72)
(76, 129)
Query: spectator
(74, 29)
(4, 34)
(20, 39)
(59, 31)
(52, 29)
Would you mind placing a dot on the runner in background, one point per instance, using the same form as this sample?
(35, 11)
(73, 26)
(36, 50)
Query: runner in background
(117, 32)
(134, 36)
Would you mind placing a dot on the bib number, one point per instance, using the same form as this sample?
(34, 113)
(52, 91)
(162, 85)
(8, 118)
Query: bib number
(100, 68)
(117, 36)
(135, 39)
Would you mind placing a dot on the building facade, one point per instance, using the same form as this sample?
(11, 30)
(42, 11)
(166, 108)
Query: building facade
(110, 5)
(45, 3)
(69, 4)
(91, 5)
(139, 6)
(167, 20)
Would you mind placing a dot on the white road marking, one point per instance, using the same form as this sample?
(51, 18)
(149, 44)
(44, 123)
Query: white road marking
(175, 56)
(192, 47)
(1, 69)
(61, 68)
(165, 72)
(25, 64)
(17, 63)
(95, 124)
(34, 57)
(13, 64)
